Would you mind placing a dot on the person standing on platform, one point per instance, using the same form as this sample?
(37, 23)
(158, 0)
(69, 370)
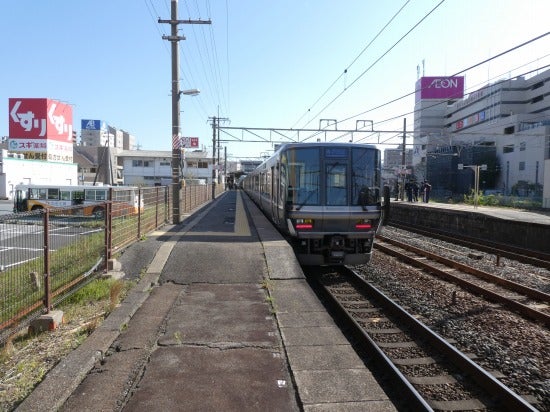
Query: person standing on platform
(409, 191)
(415, 191)
(427, 189)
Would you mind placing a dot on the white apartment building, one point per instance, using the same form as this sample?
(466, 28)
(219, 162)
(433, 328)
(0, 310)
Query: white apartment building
(154, 167)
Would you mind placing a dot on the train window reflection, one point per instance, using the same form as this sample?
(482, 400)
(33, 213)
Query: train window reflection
(365, 177)
(303, 173)
(336, 184)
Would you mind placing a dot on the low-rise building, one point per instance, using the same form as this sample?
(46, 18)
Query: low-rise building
(154, 167)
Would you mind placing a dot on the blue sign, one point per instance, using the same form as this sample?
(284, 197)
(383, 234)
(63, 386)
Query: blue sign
(91, 124)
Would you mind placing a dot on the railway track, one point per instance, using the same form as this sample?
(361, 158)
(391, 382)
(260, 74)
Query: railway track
(531, 257)
(429, 372)
(531, 303)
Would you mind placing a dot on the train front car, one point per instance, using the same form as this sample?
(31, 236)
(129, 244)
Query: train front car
(333, 201)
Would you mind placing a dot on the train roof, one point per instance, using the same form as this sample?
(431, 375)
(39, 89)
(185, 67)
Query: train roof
(286, 146)
(326, 144)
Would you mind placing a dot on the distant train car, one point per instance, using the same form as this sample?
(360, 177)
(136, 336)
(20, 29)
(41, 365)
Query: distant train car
(326, 197)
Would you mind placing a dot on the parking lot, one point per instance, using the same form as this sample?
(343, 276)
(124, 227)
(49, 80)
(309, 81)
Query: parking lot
(6, 207)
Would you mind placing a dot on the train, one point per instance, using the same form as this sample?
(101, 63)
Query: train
(325, 198)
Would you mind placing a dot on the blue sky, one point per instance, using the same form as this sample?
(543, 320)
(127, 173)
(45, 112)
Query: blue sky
(259, 64)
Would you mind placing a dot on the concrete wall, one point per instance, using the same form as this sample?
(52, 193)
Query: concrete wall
(520, 234)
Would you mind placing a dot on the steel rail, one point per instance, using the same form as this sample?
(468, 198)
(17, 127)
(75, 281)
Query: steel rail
(493, 296)
(533, 257)
(402, 384)
(508, 284)
(503, 395)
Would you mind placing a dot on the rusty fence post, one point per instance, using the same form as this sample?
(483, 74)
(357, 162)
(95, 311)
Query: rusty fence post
(157, 207)
(139, 214)
(108, 233)
(47, 284)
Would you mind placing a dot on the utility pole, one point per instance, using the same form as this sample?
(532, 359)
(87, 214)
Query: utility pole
(215, 128)
(176, 131)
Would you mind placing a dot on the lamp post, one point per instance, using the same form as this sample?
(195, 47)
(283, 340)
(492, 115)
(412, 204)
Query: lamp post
(476, 169)
(176, 150)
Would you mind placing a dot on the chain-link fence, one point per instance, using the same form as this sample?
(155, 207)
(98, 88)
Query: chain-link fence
(46, 254)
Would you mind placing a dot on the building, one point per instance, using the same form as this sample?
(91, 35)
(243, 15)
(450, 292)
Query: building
(511, 116)
(39, 148)
(154, 167)
(15, 170)
(97, 133)
(248, 166)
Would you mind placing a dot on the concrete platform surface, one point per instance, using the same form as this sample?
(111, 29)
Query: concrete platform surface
(222, 320)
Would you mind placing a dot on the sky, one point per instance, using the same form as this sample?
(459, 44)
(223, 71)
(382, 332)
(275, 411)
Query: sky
(289, 64)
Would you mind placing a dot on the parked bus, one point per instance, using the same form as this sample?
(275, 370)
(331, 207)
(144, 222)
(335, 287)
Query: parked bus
(92, 198)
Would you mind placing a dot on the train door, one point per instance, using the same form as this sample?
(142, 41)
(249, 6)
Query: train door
(336, 188)
(274, 192)
(283, 187)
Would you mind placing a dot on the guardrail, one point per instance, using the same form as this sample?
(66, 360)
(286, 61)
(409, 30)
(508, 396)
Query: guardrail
(47, 254)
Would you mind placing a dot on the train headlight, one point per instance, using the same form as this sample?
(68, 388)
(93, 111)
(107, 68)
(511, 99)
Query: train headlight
(363, 224)
(302, 224)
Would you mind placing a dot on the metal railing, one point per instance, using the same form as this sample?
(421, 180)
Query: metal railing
(47, 254)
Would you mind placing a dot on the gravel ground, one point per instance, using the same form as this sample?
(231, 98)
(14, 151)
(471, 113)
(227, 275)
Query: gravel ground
(501, 340)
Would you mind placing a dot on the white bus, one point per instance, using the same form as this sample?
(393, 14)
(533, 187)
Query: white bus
(93, 198)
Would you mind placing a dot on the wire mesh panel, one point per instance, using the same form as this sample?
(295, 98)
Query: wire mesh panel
(44, 255)
(155, 208)
(126, 209)
(76, 247)
(22, 265)
(48, 253)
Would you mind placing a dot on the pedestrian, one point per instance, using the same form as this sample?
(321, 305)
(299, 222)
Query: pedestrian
(427, 189)
(415, 191)
(409, 190)
(396, 189)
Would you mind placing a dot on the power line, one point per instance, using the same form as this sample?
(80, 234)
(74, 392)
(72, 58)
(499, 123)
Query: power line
(456, 74)
(351, 64)
(378, 60)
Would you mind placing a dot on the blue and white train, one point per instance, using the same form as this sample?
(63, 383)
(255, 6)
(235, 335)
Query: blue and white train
(325, 197)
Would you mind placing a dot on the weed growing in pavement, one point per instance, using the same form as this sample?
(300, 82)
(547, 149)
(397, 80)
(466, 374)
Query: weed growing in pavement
(266, 284)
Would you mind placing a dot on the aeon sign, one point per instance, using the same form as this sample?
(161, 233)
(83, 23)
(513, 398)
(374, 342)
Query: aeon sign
(440, 87)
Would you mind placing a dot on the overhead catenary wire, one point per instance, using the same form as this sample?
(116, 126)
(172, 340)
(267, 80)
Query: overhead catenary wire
(456, 74)
(416, 25)
(204, 70)
(353, 62)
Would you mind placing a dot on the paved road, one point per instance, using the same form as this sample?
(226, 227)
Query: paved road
(6, 207)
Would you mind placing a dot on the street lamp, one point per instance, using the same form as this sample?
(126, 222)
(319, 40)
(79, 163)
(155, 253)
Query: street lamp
(176, 148)
(476, 169)
(190, 92)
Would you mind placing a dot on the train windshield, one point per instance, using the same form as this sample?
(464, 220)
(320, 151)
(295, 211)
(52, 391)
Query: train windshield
(350, 176)
(303, 169)
(365, 176)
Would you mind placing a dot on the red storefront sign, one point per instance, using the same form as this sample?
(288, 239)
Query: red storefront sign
(40, 118)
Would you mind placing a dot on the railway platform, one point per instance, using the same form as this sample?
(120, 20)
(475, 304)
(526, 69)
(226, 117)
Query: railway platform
(506, 213)
(221, 318)
(500, 225)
